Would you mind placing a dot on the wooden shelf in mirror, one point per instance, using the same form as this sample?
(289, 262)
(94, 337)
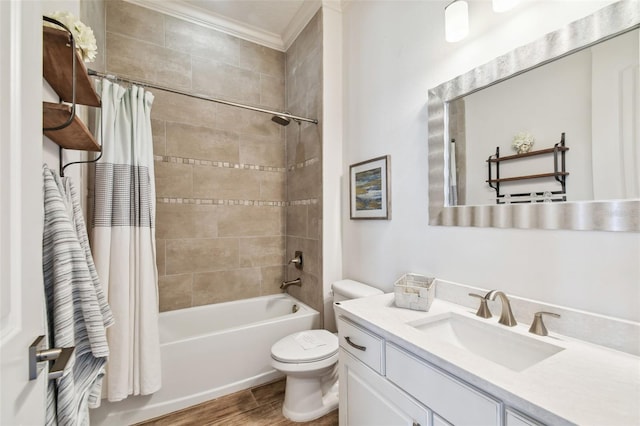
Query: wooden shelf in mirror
(75, 136)
(528, 154)
(542, 175)
(57, 69)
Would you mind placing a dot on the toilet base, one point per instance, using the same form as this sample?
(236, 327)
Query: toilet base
(312, 407)
(311, 394)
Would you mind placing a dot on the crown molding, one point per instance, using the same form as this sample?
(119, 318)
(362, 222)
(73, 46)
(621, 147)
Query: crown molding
(221, 23)
(335, 5)
(300, 21)
(345, 4)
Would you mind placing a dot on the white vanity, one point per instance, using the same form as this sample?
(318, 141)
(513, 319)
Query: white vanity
(447, 366)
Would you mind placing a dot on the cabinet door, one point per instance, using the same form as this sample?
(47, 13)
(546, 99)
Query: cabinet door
(443, 393)
(368, 399)
(439, 421)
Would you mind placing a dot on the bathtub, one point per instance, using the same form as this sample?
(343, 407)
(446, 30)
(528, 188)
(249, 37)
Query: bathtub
(211, 351)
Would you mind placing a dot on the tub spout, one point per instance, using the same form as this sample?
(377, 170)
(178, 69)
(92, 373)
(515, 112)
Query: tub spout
(285, 284)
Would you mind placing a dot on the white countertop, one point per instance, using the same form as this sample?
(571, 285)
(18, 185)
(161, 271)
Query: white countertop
(583, 384)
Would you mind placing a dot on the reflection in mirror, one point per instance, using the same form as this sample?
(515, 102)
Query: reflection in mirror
(581, 106)
(590, 95)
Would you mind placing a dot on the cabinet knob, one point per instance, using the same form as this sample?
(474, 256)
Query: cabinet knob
(416, 424)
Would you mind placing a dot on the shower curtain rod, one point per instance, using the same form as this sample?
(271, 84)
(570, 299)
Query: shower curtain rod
(203, 97)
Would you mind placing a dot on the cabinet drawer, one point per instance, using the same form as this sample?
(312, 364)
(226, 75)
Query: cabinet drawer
(362, 344)
(515, 418)
(451, 399)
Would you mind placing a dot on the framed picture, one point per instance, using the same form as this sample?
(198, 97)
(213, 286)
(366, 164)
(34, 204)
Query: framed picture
(370, 197)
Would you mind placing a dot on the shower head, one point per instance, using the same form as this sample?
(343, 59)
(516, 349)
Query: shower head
(281, 120)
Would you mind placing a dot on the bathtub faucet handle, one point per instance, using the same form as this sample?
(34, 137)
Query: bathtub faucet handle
(285, 284)
(297, 259)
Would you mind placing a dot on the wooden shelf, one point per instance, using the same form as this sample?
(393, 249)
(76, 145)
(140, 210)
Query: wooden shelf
(528, 154)
(57, 69)
(559, 171)
(542, 175)
(74, 136)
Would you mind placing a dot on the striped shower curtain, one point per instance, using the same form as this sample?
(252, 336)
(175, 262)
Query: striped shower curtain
(123, 238)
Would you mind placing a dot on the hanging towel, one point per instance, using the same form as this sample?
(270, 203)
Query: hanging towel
(123, 238)
(77, 311)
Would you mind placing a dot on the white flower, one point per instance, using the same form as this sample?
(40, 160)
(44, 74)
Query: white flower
(522, 142)
(82, 34)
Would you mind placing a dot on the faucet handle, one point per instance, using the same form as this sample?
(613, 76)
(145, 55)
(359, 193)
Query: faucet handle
(483, 309)
(537, 326)
(297, 259)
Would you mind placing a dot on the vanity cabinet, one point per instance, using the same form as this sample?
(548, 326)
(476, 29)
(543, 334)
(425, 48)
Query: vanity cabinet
(451, 399)
(384, 384)
(372, 400)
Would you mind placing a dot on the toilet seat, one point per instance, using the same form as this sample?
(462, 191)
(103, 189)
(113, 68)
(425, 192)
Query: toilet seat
(305, 347)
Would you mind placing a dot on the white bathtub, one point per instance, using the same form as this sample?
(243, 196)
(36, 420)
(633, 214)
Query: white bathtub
(211, 351)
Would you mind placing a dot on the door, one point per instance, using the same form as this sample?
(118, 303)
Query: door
(22, 401)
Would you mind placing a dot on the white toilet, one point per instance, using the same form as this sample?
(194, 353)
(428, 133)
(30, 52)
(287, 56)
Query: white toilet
(310, 361)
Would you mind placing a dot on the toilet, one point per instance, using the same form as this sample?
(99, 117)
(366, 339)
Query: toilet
(310, 361)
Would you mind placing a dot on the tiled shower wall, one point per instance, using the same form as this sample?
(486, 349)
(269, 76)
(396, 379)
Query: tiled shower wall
(220, 171)
(304, 162)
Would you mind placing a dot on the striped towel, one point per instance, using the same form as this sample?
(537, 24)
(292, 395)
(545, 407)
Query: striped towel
(77, 310)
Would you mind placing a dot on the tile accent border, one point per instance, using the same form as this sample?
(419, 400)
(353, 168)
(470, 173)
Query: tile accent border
(304, 164)
(219, 202)
(309, 202)
(211, 201)
(219, 164)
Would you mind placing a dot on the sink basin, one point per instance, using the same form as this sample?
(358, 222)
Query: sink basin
(493, 342)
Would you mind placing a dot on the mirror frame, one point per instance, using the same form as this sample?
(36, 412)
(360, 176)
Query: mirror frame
(614, 215)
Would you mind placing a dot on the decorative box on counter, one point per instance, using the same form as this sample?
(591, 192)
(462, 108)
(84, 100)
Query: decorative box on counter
(414, 291)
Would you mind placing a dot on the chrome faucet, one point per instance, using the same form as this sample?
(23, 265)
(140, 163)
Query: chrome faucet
(285, 284)
(506, 316)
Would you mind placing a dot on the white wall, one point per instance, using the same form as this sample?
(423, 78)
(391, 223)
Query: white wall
(394, 51)
(331, 153)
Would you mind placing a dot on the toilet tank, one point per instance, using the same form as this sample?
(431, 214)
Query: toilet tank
(350, 289)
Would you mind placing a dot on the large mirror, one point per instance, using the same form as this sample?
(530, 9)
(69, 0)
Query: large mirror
(588, 154)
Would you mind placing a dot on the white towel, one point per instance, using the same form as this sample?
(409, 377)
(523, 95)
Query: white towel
(308, 341)
(77, 311)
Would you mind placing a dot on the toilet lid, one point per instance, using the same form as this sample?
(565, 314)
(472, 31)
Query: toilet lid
(305, 346)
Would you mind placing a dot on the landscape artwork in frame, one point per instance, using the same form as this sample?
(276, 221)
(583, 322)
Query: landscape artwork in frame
(369, 189)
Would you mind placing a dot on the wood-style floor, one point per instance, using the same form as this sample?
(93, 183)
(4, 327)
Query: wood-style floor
(259, 406)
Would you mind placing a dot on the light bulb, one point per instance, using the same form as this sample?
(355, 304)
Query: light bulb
(500, 6)
(456, 21)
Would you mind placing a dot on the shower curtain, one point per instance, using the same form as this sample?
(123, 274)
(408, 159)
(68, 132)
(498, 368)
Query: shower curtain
(123, 237)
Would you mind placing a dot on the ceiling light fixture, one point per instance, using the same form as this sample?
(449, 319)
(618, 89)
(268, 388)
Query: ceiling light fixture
(500, 6)
(456, 21)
